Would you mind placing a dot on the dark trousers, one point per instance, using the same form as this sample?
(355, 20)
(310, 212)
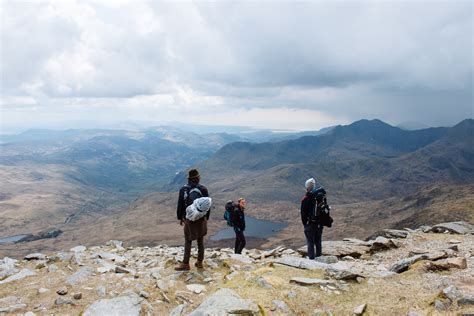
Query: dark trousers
(313, 233)
(239, 241)
(187, 250)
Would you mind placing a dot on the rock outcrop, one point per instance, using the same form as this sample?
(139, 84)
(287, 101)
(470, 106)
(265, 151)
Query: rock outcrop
(420, 268)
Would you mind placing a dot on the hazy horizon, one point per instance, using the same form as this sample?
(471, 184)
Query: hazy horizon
(198, 128)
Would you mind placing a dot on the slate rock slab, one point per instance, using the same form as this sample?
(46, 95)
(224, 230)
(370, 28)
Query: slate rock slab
(403, 265)
(81, 275)
(302, 263)
(35, 256)
(118, 306)
(311, 281)
(18, 276)
(326, 259)
(460, 228)
(223, 302)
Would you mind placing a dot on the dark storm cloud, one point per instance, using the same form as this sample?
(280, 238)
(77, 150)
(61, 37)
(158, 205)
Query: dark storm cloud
(348, 60)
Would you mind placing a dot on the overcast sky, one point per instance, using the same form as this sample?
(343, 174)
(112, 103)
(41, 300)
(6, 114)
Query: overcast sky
(264, 64)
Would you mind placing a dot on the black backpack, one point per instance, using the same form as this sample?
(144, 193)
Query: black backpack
(191, 193)
(229, 212)
(322, 208)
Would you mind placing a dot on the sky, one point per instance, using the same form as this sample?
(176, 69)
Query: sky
(266, 64)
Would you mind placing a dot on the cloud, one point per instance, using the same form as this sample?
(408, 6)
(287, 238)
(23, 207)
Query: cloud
(342, 60)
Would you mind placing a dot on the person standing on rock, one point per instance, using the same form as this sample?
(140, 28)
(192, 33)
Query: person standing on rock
(193, 230)
(313, 228)
(239, 225)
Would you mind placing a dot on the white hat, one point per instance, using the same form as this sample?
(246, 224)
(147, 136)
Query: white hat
(310, 183)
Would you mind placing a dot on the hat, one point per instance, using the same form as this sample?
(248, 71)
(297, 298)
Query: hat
(310, 183)
(193, 174)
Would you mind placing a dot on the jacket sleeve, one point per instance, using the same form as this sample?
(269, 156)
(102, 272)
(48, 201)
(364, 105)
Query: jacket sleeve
(236, 218)
(305, 210)
(181, 210)
(204, 191)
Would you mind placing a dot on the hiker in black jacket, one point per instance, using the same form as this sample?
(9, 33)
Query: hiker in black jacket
(238, 219)
(313, 228)
(193, 230)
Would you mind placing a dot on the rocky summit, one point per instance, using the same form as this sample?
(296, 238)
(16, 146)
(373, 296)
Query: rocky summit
(426, 271)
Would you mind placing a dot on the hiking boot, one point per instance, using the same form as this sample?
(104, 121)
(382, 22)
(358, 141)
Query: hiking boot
(183, 267)
(199, 265)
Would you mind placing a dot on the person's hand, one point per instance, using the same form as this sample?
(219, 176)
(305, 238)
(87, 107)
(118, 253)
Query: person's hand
(181, 222)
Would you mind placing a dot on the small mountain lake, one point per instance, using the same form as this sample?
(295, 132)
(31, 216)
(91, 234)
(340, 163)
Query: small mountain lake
(253, 228)
(6, 240)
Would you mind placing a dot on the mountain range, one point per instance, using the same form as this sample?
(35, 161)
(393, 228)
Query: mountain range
(97, 185)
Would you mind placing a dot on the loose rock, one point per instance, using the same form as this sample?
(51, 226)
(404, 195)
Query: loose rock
(123, 305)
(77, 296)
(460, 228)
(311, 281)
(178, 310)
(63, 301)
(280, 305)
(359, 310)
(403, 265)
(35, 256)
(18, 276)
(225, 301)
(62, 291)
(80, 276)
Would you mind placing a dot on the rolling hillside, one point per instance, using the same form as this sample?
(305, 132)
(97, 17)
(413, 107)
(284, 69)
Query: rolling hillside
(376, 175)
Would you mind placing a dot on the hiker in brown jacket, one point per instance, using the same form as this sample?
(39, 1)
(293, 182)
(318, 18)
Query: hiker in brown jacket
(193, 230)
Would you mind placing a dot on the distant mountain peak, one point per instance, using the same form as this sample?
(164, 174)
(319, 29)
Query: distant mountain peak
(371, 123)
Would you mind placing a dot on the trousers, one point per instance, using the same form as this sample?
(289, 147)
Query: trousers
(187, 249)
(313, 233)
(239, 241)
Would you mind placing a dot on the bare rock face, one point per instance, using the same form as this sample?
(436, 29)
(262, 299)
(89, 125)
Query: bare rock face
(224, 302)
(118, 306)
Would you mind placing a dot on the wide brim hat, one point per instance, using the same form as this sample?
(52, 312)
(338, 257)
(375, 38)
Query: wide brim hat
(193, 174)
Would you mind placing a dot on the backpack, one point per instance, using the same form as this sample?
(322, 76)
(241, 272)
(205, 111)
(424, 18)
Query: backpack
(322, 208)
(191, 194)
(324, 215)
(229, 212)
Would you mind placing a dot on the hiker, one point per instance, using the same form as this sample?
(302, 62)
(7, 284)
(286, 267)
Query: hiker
(239, 225)
(313, 226)
(193, 230)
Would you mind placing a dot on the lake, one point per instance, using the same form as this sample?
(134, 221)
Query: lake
(6, 240)
(253, 228)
